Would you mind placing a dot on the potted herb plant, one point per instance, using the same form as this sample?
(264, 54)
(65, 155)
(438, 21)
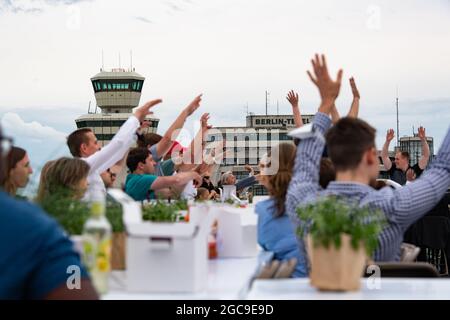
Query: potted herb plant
(160, 212)
(340, 237)
(72, 215)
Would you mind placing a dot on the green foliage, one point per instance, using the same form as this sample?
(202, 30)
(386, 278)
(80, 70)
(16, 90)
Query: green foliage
(229, 201)
(180, 204)
(329, 218)
(114, 214)
(160, 212)
(72, 214)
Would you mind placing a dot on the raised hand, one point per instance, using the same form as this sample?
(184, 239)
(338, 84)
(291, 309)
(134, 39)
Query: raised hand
(390, 135)
(292, 97)
(354, 88)
(204, 121)
(197, 179)
(144, 125)
(410, 175)
(144, 110)
(421, 133)
(190, 109)
(328, 88)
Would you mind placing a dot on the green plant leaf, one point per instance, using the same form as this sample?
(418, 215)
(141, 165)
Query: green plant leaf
(329, 218)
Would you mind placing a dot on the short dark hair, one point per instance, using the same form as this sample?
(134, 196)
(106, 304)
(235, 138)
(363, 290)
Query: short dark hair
(405, 154)
(327, 172)
(148, 139)
(76, 139)
(135, 156)
(347, 141)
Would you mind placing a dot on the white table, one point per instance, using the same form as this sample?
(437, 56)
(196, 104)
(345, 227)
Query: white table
(389, 289)
(227, 279)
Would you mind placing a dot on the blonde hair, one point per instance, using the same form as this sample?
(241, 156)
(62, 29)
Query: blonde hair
(278, 183)
(43, 181)
(62, 174)
(202, 193)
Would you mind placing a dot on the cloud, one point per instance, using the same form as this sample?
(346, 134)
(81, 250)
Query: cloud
(13, 125)
(34, 6)
(143, 19)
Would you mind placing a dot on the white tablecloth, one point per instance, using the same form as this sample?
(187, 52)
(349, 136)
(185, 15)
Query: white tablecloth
(388, 289)
(227, 279)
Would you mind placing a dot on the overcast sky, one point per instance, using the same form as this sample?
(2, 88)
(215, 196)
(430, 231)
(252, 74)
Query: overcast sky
(230, 50)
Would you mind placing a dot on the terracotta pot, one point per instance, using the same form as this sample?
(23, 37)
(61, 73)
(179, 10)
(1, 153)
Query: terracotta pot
(336, 269)
(118, 254)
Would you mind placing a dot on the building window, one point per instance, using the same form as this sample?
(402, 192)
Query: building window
(117, 85)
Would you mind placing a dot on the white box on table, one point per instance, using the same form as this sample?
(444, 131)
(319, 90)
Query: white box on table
(164, 257)
(236, 232)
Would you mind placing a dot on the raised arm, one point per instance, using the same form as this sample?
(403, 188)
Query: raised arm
(415, 199)
(334, 114)
(292, 97)
(194, 152)
(354, 108)
(305, 179)
(385, 151)
(423, 161)
(119, 145)
(165, 144)
(178, 180)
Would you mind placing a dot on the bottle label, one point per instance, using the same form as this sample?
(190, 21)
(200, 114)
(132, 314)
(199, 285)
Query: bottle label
(97, 208)
(97, 257)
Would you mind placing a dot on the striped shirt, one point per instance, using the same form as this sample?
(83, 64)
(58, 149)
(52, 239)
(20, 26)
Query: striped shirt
(402, 206)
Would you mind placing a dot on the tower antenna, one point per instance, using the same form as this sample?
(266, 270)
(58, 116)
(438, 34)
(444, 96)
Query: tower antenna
(131, 59)
(398, 132)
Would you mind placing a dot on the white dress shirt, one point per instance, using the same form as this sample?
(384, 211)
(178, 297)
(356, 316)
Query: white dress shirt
(110, 155)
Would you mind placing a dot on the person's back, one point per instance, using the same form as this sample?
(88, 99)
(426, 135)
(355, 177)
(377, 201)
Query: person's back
(37, 259)
(391, 237)
(276, 234)
(351, 147)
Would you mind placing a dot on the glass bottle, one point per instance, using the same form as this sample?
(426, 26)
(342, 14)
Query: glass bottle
(97, 239)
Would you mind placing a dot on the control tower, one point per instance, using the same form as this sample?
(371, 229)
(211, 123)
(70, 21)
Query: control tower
(117, 92)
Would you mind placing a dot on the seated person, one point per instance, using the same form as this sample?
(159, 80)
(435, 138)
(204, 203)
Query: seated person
(64, 177)
(228, 178)
(351, 146)
(142, 183)
(109, 177)
(161, 147)
(35, 254)
(398, 171)
(275, 230)
(18, 170)
(202, 194)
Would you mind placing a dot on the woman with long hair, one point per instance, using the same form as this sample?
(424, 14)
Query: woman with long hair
(17, 171)
(275, 230)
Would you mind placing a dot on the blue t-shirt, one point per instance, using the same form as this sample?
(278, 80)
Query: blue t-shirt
(276, 234)
(138, 186)
(34, 252)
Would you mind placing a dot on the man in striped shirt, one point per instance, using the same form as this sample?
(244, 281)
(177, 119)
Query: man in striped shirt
(351, 147)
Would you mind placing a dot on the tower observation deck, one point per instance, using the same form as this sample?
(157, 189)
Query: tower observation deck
(117, 92)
